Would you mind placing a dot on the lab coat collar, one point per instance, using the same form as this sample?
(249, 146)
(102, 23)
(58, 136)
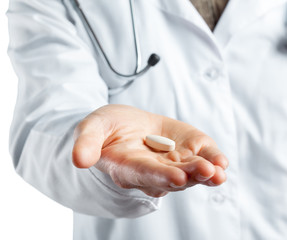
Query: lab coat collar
(237, 15)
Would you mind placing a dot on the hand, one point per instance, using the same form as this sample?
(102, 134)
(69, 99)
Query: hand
(112, 139)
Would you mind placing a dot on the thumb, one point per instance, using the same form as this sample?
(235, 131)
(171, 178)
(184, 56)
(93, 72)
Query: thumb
(89, 138)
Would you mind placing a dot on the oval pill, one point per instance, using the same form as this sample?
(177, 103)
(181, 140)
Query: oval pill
(160, 143)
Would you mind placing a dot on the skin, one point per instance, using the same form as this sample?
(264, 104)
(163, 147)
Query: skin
(112, 139)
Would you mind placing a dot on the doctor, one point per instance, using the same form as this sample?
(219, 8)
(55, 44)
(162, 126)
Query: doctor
(223, 89)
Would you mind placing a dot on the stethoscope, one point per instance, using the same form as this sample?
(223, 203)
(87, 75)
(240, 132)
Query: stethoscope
(125, 78)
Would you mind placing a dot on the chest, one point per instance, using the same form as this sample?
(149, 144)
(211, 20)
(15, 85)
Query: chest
(188, 49)
(210, 10)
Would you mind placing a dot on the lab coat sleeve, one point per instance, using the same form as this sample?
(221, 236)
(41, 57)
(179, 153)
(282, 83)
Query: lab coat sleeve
(59, 85)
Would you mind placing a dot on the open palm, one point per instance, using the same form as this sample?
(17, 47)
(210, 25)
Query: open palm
(112, 139)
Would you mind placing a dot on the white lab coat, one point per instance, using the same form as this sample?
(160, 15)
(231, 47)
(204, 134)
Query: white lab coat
(231, 85)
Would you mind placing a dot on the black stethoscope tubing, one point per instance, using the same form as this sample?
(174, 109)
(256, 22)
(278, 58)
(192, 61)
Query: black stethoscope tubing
(152, 61)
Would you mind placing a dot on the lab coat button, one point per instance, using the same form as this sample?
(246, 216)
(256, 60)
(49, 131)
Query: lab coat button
(217, 197)
(212, 73)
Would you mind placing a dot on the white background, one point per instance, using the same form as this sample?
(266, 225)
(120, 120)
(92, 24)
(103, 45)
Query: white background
(25, 213)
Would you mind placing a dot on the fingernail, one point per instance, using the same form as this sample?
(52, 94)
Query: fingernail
(225, 163)
(210, 183)
(201, 178)
(175, 186)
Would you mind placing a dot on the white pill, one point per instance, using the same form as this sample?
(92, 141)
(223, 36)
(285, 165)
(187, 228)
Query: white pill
(160, 143)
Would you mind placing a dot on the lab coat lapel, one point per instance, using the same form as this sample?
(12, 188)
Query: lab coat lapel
(240, 13)
(237, 15)
(182, 9)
